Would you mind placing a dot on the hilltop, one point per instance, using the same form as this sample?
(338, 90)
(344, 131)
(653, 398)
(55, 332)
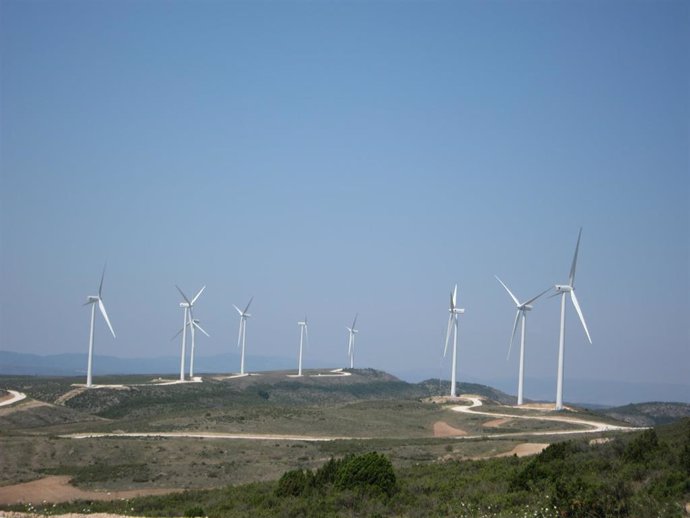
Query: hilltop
(649, 414)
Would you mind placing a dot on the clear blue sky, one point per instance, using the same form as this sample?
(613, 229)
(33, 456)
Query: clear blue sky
(341, 157)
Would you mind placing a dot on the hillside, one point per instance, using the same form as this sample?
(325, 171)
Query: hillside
(649, 414)
(642, 474)
(141, 397)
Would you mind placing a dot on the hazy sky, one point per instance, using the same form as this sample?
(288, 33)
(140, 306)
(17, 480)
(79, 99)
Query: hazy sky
(339, 157)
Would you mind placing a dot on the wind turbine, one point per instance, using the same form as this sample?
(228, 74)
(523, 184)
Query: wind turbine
(191, 324)
(522, 309)
(93, 300)
(453, 321)
(351, 341)
(303, 334)
(242, 336)
(187, 305)
(563, 290)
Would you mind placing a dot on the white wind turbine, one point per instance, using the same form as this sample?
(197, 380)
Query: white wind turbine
(242, 335)
(453, 321)
(563, 290)
(522, 309)
(94, 300)
(303, 336)
(191, 324)
(351, 341)
(187, 305)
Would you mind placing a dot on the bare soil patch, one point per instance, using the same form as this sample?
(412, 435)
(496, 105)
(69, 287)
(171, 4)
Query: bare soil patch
(443, 429)
(495, 423)
(56, 488)
(521, 450)
(601, 440)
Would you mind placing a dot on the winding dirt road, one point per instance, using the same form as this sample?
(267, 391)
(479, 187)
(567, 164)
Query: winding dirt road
(590, 426)
(14, 397)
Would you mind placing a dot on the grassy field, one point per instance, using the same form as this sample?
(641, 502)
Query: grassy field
(375, 410)
(635, 475)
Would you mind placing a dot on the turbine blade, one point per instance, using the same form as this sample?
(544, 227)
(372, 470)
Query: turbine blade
(183, 295)
(450, 322)
(248, 304)
(200, 328)
(535, 298)
(517, 302)
(454, 297)
(177, 334)
(512, 337)
(100, 286)
(354, 321)
(239, 333)
(105, 316)
(198, 294)
(238, 309)
(571, 277)
(573, 297)
(306, 335)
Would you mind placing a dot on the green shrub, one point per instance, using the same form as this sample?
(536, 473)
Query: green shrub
(292, 483)
(642, 447)
(371, 471)
(194, 511)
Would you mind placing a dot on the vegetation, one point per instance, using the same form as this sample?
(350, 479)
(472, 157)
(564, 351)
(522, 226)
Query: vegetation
(369, 473)
(635, 475)
(649, 414)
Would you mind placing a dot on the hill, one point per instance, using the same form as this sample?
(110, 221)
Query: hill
(645, 473)
(649, 414)
(74, 364)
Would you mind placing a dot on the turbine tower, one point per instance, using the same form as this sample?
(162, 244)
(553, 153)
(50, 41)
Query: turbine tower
(94, 300)
(303, 335)
(351, 341)
(453, 321)
(563, 290)
(191, 324)
(242, 336)
(522, 309)
(187, 305)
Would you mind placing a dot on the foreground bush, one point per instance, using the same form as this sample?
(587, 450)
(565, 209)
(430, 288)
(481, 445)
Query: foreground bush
(368, 473)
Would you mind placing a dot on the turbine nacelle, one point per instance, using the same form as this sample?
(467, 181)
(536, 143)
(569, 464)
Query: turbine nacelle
(563, 288)
(92, 298)
(456, 311)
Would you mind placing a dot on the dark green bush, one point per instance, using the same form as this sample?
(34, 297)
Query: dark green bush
(369, 472)
(293, 483)
(642, 447)
(194, 511)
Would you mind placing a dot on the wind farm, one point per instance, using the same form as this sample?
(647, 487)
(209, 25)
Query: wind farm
(431, 259)
(313, 409)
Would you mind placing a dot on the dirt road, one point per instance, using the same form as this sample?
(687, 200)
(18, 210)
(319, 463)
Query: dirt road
(590, 426)
(14, 397)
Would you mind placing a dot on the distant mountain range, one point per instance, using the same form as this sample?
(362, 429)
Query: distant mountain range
(74, 364)
(589, 393)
